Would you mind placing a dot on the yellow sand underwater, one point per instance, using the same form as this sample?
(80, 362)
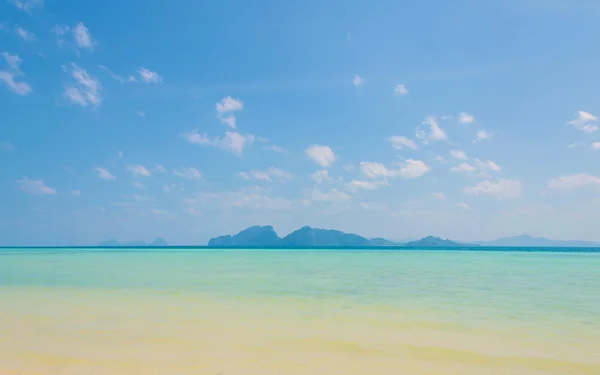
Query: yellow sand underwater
(76, 332)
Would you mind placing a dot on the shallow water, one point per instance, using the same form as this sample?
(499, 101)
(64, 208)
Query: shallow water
(298, 312)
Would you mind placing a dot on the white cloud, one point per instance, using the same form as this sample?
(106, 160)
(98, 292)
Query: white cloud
(573, 182)
(235, 142)
(7, 146)
(75, 193)
(82, 36)
(229, 104)
(500, 189)
(8, 77)
(463, 167)
(439, 158)
(322, 155)
(189, 173)
(321, 176)
(465, 118)
(120, 79)
(596, 145)
(583, 122)
(358, 80)
(348, 167)
(439, 196)
(138, 171)
(333, 195)
(410, 169)
(26, 35)
(487, 165)
(149, 76)
(463, 205)
(138, 185)
(104, 174)
(413, 169)
(356, 185)
(270, 174)
(159, 168)
(27, 5)
(229, 121)
(232, 141)
(481, 136)
(435, 132)
(35, 187)
(86, 91)
(400, 90)
(459, 154)
(399, 142)
(376, 170)
(13, 62)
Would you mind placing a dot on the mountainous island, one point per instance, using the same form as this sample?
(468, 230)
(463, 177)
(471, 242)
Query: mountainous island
(265, 236)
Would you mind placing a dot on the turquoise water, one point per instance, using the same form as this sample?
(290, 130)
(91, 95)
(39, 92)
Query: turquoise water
(551, 297)
(508, 285)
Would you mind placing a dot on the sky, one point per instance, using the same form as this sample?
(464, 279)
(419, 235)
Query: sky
(185, 120)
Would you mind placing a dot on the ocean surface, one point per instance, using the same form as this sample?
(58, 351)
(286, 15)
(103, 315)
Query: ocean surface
(279, 312)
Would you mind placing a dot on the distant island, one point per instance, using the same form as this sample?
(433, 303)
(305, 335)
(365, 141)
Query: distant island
(265, 236)
(431, 241)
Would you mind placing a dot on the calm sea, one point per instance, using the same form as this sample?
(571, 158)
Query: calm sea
(124, 311)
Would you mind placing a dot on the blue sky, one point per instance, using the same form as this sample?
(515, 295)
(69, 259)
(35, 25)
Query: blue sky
(184, 120)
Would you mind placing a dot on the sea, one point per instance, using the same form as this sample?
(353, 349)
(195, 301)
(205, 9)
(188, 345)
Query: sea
(118, 311)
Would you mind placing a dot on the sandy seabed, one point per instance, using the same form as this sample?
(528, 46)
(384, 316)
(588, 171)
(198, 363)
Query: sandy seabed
(70, 331)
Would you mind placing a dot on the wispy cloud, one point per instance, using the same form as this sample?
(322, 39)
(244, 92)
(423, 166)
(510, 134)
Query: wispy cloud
(83, 37)
(85, 91)
(459, 154)
(409, 169)
(139, 171)
(465, 118)
(400, 90)
(584, 122)
(271, 174)
(225, 108)
(358, 80)
(481, 136)
(35, 187)
(14, 71)
(118, 77)
(499, 189)
(148, 76)
(570, 183)
(27, 5)
(399, 142)
(435, 132)
(104, 174)
(232, 141)
(189, 173)
(26, 35)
